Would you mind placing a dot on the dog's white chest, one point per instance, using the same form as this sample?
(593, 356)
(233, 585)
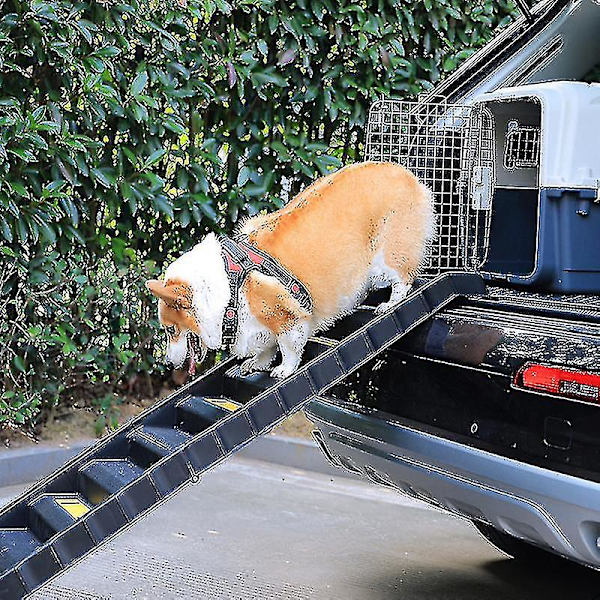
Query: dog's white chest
(252, 337)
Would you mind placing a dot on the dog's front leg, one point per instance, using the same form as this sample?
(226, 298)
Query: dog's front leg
(261, 361)
(291, 343)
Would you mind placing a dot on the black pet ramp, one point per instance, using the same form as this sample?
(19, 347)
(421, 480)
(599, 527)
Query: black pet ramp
(108, 487)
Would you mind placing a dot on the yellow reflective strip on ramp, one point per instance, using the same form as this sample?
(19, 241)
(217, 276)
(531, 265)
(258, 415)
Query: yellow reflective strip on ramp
(74, 507)
(222, 403)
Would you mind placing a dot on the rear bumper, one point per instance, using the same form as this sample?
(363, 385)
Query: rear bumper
(558, 512)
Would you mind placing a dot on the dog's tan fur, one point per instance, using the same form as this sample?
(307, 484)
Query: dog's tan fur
(180, 318)
(327, 237)
(174, 305)
(271, 303)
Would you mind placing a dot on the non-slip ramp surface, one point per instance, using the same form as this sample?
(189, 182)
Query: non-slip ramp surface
(106, 488)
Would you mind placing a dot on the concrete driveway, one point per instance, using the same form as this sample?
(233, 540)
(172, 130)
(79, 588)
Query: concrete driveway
(257, 531)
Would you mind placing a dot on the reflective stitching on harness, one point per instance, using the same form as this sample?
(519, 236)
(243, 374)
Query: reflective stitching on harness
(240, 258)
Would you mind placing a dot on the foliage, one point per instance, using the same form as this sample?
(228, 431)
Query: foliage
(129, 129)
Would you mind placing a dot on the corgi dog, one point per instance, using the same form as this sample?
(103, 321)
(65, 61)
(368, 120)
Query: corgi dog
(363, 227)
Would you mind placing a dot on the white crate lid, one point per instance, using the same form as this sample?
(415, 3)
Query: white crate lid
(570, 130)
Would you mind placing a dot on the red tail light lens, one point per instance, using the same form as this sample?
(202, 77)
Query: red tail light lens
(559, 381)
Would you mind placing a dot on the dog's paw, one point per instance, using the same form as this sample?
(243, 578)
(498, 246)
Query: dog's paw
(384, 307)
(282, 371)
(248, 366)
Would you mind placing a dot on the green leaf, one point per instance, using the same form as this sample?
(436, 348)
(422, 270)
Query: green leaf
(108, 52)
(96, 63)
(281, 150)
(22, 230)
(128, 194)
(86, 28)
(105, 175)
(138, 84)
(174, 125)
(131, 157)
(19, 363)
(163, 205)
(55, 186)
(268, 76)
(18, 188)
(324, 162)
(243, 176)
(154, 157)
(209, 211)
(5, 230)
(26, 155)
(47, 231)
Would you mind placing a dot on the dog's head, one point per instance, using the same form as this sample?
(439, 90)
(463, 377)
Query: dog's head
(177, 314)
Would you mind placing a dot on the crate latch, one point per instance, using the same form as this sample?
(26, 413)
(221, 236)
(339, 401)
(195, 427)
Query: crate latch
(481, 187)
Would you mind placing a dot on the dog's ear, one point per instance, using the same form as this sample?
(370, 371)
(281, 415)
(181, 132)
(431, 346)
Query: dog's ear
(178, 295)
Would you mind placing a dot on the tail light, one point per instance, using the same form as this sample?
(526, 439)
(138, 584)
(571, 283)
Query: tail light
(560, 381)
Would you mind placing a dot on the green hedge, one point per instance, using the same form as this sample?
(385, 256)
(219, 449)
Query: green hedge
(127, 131)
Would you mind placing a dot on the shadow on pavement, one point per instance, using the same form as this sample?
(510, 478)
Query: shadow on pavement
(558, 578)
(502, 579)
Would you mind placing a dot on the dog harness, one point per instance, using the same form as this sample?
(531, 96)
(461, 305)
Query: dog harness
(240, 258)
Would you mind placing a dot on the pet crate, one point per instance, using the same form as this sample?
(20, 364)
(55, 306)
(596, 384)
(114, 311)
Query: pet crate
(515, 177)
(450, 148)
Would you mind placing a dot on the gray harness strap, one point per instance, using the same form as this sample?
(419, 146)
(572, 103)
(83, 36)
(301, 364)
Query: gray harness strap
(240, 258)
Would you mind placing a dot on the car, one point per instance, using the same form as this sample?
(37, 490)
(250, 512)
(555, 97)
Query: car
(491, 408)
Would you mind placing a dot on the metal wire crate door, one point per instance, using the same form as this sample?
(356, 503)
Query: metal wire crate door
(450, 148)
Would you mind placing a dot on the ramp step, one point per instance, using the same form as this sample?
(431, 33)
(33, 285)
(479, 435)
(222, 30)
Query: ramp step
(41, 563)
(197, 413)
(244, 387)
(99, 479)
(150, 443)
(51, 513)
(16, 544)
(184, 435)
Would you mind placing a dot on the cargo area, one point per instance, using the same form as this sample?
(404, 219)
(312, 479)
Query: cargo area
(454, 377)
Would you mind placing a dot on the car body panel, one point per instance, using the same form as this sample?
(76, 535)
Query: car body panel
(439, 417)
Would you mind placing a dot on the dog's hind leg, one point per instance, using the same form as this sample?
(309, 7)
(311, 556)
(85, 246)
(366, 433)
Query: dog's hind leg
(381, 275)
(399, 291)
(291, 343)
(404, 238)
